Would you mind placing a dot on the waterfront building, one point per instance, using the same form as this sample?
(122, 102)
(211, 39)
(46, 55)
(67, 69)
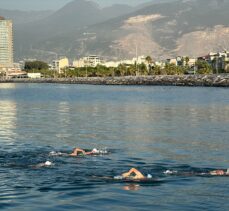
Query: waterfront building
(134, 61)
(171, 61)
(191, 62)
(88, 61)
(78, 63)
(59, 64)
(160, 64)
(111, 64)
(219, 61)
(182, 61)
(92, 61)
(34, 75)
(6, 44)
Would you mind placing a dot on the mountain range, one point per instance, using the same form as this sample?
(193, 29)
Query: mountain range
(161, 30)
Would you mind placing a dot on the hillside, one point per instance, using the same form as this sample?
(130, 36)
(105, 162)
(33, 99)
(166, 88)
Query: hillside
(59, 31)
(189, 27)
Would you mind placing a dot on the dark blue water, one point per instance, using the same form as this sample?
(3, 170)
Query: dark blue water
(150, 128)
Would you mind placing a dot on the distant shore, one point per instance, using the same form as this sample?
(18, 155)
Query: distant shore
(165, 80)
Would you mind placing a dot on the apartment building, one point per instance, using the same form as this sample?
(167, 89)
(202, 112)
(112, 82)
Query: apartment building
(6, 44)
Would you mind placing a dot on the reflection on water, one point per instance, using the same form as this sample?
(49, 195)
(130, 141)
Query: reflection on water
(151, 128)
(63, 118)
(7, 120)
(131, 187)
(7, 86)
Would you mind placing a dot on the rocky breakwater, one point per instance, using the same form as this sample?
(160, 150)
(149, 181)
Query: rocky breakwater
(165, 80)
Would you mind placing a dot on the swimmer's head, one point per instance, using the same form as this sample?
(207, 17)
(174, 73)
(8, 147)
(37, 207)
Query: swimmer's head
(48, 163)
(95, 150)
(149, 176)
(168, 172)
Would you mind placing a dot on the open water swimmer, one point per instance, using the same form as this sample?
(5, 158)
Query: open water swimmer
(45, 164)
(133, 174)
(217, 172)
(80, 152)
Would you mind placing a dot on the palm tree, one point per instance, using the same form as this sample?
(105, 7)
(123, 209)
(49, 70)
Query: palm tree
(187, 60)
(149, 61)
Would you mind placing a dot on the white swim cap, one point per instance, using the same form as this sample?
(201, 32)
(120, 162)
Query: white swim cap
(48, 163)
(95, 150)
(149, 176)
(168, 172)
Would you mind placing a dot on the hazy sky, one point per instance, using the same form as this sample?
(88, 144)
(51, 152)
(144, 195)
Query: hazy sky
(55, 4)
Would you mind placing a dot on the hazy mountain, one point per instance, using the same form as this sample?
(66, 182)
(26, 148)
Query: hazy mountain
(61, 27)
(21, 17)
(188, 27)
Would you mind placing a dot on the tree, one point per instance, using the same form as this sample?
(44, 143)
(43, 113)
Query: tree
(157, 70)
(122, 69)
(35, 65)
(142, 69)
(203, 67)
(186, 60)
(172, 69)
(149, 60)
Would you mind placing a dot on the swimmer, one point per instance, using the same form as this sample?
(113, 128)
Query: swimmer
(133, 174)
(78, 151)
(219, 172)
(46, 164)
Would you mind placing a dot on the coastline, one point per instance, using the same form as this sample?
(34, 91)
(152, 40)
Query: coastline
(221, 80)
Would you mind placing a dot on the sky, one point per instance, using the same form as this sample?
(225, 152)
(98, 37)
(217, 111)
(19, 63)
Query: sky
(56, 4)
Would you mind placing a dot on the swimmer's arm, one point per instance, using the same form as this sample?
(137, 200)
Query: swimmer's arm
(88, 153)
(76, 151)
(137, 173)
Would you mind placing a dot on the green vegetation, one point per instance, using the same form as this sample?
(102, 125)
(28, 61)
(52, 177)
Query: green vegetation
(2, 74)
(39, 67)
(122, 70)
(203, 67)
(148, 69)
(35, 65)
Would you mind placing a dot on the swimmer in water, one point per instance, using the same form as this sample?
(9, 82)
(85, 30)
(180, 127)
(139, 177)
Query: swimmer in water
(133, 174)
(219, 172)
(78, 151)
(46, 164)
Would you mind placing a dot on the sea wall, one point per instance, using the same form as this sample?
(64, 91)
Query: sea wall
(183, 80)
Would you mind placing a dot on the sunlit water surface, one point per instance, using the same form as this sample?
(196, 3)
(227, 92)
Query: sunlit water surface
(150, 128)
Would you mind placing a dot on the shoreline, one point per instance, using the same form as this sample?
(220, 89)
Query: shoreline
(221, 80)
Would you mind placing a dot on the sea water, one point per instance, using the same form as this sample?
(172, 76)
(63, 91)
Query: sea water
(152, 128)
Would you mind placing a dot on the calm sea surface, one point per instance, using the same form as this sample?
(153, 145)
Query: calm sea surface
(151, 128)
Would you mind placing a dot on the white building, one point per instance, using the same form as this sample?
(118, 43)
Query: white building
(34, 75)
(88, 61)
(93, 61)
(111, 64)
